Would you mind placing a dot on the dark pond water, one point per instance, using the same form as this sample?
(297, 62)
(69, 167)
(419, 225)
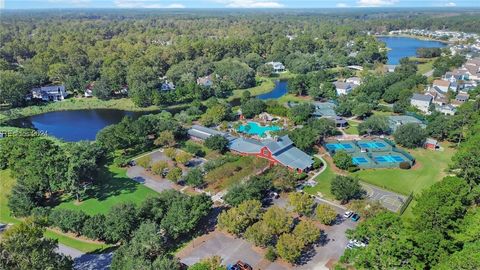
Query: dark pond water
(280, 89)
(401, 47)
(77, 125)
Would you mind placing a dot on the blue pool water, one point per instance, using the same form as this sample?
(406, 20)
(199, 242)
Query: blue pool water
(388, 159)
(338, 146)
(359, 160)
(401, 47)
(371, 145)
(254, 128)
(280, 89)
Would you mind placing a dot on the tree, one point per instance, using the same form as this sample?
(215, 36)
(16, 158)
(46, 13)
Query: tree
(68, 220)
(277, 219)
(300, 113)
(304, 138)
(147, 244)
(102, 89)
(256, 188)
(215, 115)
(165, 138)
(212, 263)
(265, 70)
(345, 188)
(183, 157)
(175, 174)
(289, 247)
(237, 219)
(362, 110)
(252, 107)
(253, 60)
(120, 222)
(342, 160)
(13, 87)
(410, 135)
(307, 232)
(144, 161)
(94, 227)
(465, 161)
(260, 234)
(217, 142)
(326, 214)
(159, 167)
(376, 124)
(24, 247)
(302, 203)
(171, 153)
(195, 177)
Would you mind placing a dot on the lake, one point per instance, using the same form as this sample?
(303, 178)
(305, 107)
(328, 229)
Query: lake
(280, 89)
(401, 47)
(77, 125)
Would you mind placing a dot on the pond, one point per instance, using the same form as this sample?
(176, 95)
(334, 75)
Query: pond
(280, 89)
(401, 47)
(77, 125)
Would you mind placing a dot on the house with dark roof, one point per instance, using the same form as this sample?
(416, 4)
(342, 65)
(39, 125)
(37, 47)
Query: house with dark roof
(327, 110)
(441, 85)
(394, 121)
(343, 88)
(277, 151)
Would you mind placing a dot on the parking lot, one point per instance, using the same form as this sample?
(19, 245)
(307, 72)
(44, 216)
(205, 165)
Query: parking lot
(229, 248)
(390, 200)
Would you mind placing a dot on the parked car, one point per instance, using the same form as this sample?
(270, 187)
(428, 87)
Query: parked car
(359, 243)
(240, 266)
(347, 214)
(3, 227)
(350, 246)
(132, 163)
(274, 195)
(355, 217)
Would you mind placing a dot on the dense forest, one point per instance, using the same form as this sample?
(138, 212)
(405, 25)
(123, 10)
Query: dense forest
(141, 50)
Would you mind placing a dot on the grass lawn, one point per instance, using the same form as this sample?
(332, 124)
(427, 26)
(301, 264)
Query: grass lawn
(352, 128)
(6, 184)
(324, 181)
(233, 172)
(113, 187)
(430, 168)
(293, 98)
(266, 85)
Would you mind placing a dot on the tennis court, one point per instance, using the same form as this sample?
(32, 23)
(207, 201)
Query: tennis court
(388, 159)
(339, 146)
(359, 160)
(372, 145)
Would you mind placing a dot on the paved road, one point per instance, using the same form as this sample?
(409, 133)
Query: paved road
(82, 261)
(138, 174)
(428, 73)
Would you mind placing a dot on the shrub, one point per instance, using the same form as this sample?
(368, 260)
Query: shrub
(353, 169)
(94, 227)
(405, 165)
(159, 166)
(171, 153)
(174, 174)
(325, 214)
(317, 163)
(194, 149)
(68, 220)
(343, 160)
(271, 255)
(144, 161)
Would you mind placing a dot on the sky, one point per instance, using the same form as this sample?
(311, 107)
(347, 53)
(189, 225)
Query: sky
(42, 4)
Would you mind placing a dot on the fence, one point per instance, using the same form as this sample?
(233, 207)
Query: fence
(406, 203)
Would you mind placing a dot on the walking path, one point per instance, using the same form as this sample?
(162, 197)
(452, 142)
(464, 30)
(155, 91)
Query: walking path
(85, 261)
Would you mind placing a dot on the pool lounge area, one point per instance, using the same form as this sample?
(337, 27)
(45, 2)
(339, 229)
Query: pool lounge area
(371, 153)
(254, 128)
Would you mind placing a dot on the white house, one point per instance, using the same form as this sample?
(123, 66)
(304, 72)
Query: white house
(205, 81)
(473, 68)
(277, 66)
(446, 109)
(354, 80)
(50, 93)
(441, 85)
(343, 88)
(421, 102)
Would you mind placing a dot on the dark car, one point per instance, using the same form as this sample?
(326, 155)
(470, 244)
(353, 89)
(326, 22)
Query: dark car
(355, 217)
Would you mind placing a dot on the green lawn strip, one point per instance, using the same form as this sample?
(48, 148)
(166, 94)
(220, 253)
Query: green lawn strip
(266, 85)
(324, 181)
(431, 169)
(293, 98)
(6, 185)
(352, 128)
(113, 187)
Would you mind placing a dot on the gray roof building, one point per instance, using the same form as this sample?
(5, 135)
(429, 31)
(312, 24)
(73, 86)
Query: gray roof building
(202, 133)
(395, 121)
(421, 97)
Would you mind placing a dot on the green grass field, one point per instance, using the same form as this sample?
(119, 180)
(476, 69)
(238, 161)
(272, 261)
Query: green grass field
(266, 85)
(6, 185)
(352, 128)
(430, 168)
(113, 187)
(324, 181)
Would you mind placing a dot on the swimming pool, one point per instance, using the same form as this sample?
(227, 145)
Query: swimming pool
(254, 128)
(388, 159)
(371, 145)
(339, 146)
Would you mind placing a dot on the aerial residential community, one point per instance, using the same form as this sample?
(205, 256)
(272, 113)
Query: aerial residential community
(239, 135)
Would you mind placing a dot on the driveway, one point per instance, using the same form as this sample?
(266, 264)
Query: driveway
(229, 248)
(390, 200)
(155, 182)
(82, 261)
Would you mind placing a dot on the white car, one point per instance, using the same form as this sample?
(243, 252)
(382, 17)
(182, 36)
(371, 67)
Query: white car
(348, 214)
